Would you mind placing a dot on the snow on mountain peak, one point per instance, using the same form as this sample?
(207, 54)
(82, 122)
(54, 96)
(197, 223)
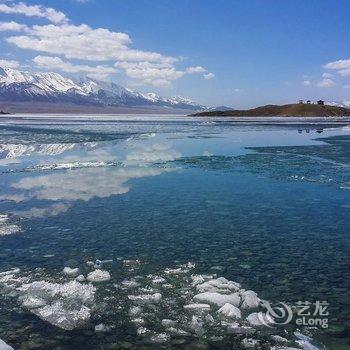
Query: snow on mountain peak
(24, 85)
(47, 81)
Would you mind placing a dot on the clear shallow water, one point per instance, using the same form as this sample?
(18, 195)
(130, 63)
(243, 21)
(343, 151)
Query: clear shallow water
(262, 205)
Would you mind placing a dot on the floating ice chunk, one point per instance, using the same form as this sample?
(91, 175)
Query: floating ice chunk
(220, 285)
(143, 331)
(98, 276)
(59, 315)
(62, 305)
(197, 279)
(250, 300)
(230, 311)
(139, 321)
(100, 263)
(102, 328)
(209, 318)
(9, 272)
(10, 279)
(71, 272)
(249, 343)
(9, 276)
(160, 338)
(260, 319)
(304, 341)
(175, 271)
(168, 323)
(4, 346)
(279, 339)
(177, 332)
(196, 325)
(32, 302)
(7, 228)
(135, 310)
(190, 265)
(158, 280)
(197, 307)
(130, 284)
(218, 299)
(146, 298)
(236, 328)
(80, 278)
(131, 264)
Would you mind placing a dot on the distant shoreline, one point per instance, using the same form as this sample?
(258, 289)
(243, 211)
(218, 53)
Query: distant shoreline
(289, 110)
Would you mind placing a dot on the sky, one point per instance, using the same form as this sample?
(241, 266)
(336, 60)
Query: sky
(237, 53)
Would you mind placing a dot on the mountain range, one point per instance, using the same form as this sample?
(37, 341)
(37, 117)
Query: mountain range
(52, 89)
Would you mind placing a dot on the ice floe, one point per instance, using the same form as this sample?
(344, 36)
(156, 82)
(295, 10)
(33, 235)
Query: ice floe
(230, 311)
(218, 299)
(172, 306)
(250, 300)
(4, 346)
(102, 328)
(66, 306)
(7, 227)
(98, 276)
(73, 272)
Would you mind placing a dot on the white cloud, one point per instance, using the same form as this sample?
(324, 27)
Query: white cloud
(34, 11)
(340, 64)
(327, 75)
(84, 42)
(326, 83)
(306, 82)
(197, 69)
(346, 86)
(344, 72)
(156, 74)
(150, 73)
(209, 76)
(81, 42)
(9, 64)
(11, 26)
(56, 63)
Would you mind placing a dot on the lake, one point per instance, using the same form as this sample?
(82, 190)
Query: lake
(115, 231)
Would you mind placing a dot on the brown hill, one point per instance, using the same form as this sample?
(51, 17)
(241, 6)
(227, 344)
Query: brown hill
(290, 110)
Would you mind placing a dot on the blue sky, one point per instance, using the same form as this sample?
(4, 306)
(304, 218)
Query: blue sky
(219, 52)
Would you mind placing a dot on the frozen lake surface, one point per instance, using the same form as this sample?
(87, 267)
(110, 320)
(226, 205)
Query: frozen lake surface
(171, 232)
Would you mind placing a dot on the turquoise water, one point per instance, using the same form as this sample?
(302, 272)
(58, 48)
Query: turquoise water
(262, 205)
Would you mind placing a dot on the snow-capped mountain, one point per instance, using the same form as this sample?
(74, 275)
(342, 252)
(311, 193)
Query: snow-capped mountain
(345, 104)
(19, 86)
